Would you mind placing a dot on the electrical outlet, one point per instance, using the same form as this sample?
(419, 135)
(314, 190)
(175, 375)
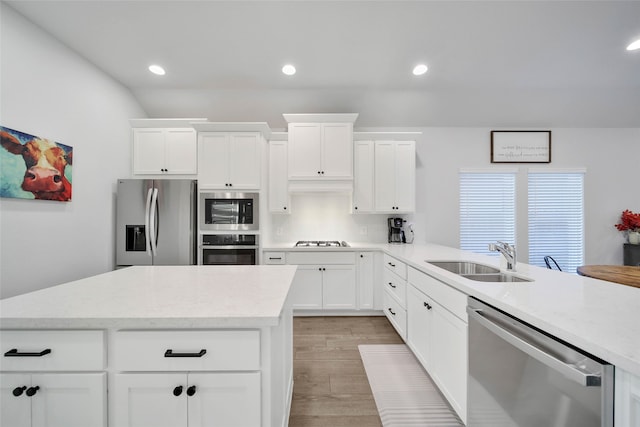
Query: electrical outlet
(279, 231)
(363, 230)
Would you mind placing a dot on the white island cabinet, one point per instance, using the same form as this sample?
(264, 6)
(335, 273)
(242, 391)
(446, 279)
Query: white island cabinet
(169, 346)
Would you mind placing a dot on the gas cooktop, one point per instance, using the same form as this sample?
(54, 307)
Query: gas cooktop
(321, 244)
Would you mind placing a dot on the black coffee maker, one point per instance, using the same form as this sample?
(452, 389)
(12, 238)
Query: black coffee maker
(396, 234)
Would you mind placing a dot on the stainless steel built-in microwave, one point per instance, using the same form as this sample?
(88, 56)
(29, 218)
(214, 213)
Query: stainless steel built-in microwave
(229, 211)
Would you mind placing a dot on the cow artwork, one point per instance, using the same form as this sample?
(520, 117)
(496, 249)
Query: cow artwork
(33, 167)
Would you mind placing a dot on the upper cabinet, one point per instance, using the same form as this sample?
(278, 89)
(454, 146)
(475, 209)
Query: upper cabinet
(230, 155)
(278, 178)
(395, 176)
(164, 151)
(229, 160)
(320, 148)
(384, 173)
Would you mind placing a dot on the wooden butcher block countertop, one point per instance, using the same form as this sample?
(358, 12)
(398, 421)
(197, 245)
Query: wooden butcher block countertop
(624, 274)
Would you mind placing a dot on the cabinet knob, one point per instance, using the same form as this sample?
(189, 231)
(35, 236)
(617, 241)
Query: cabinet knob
(355, 207)
(361, 256)
(426, 304)
(177, 391)
(230, 185)
(322, 172)
(318, 172)
(19, 390)
(285, 208)
(191, 391)
(32, 390)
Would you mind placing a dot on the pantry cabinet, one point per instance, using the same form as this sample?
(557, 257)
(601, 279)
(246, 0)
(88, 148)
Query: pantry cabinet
(278, 178)
(229, 160)
(394, 180)
(167, 151)
(187, 399)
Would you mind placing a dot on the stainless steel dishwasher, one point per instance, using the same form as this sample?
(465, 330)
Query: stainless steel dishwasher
(521, 376)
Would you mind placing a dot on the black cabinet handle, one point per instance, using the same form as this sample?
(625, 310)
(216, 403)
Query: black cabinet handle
(230, 185)
(191, 390)
(170, 353)
(271, 257)
(318, 172)
(361, 256)
(32, 390)
(392, 265)
(322, 172)
(391, 311)
(392, 285)
(177, 391)
(426, 304)
(355, 207)
(19, 390)
(285, 208)
(15, 353)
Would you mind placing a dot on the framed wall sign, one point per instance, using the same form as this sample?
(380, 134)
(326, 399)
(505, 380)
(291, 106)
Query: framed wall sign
(520, 146)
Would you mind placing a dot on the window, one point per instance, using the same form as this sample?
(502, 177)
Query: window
(487, 210)
(556, 218)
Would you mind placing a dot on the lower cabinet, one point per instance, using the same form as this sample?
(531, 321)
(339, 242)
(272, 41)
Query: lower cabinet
(187, 399)
(365, 271)
(627, 399)
(437, 335)
(53, 399)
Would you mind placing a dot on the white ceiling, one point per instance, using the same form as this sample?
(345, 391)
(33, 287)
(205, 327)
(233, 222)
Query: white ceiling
(491, 63)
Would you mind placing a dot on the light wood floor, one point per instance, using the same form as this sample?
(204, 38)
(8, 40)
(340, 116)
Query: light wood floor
(330, 385)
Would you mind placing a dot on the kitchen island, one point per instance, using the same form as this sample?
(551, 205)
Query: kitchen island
(174, 346)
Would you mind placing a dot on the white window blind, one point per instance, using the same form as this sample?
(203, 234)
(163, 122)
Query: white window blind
(556, 219)
(487, 210)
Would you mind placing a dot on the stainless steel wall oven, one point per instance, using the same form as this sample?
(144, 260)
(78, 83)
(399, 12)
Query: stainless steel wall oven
(229, 211)
(229, 249)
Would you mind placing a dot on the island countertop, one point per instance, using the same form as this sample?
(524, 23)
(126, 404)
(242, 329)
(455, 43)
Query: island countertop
(157, 297)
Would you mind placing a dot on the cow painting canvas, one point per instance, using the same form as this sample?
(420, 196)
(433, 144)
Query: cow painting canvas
(34, 168)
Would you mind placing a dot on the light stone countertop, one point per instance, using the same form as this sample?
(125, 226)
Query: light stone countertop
(157, 297)
(602, 318)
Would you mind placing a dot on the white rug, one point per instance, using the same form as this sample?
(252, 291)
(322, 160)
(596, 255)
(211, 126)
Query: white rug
(404, 393)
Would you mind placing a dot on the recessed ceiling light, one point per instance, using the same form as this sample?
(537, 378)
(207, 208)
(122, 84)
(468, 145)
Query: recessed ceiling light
(419, 69)
(289, 70)
(156, 69)
(634, 46)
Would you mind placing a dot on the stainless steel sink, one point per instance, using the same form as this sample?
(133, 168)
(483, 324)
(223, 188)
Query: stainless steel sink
(495, 277)
(465, 267)
(477, 272)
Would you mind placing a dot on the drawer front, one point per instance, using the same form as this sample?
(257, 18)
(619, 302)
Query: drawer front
(396, 314)
(396, 286)
(52, 350)
(186, 350)
(321, 257)
(398, 267)
(448, 297)
(274, 258)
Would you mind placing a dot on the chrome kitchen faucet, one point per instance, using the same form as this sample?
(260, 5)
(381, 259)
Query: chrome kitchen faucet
(509, 252)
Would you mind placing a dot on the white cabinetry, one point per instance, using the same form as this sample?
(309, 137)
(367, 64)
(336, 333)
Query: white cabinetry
(164, 151)
(320, 151)
(278, 178)
(394, 296)
(230, 396)
(35, 391)
(229, 160)
(363, 178)
(394, 181)
(627, 399)
(324, 280)
(437, 334)
(187, 399)
(366, 280)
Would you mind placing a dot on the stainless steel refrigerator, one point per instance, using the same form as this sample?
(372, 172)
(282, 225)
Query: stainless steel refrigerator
(156, 222)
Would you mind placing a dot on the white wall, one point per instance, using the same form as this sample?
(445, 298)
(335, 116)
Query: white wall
(610, 157)
(49, 91)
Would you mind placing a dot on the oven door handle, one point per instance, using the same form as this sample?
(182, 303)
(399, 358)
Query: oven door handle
(228, 247)
(572, 372)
